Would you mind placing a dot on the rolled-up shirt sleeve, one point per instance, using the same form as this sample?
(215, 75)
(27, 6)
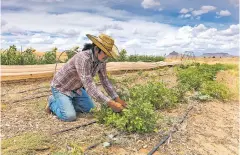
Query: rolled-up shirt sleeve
(107, 85)
(84, 72)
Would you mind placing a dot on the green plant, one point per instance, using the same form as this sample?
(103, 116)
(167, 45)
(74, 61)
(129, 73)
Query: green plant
(140, 72)
(28, 57)
(156, 93)
(193, 76)
(11, 56)
(215, 90)
(123, 93)
(73, 149)
(138, 117)
(122, 55)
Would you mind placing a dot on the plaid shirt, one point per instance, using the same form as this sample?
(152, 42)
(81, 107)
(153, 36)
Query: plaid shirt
(78, 72)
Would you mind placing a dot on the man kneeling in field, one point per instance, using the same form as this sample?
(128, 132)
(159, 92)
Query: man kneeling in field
(73, 86)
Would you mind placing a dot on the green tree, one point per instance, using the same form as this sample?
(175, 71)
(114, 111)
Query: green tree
(122, 55)
(50, 56)
(28, 57)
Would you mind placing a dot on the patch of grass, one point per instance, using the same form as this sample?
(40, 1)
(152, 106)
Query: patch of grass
(215, 90)
(46, 84)
(73, 149)
(3, 106)
(140, 72)
(28, 143)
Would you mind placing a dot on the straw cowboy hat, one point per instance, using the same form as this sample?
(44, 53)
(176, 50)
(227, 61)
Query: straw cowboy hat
(106, 44)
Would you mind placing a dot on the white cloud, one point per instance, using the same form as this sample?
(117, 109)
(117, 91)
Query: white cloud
(132, 43)
(201, 38)
(232, 31)
(185, 16)
(60, 41)
(110, 26)
(12, 29)
(146, 4)
(203, 10)
(224, 13)
(40, 39)
(3, 23)
(67, 30)
(184, 10)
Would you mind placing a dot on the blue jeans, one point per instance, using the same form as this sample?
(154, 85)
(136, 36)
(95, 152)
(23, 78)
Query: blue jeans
(66, 107)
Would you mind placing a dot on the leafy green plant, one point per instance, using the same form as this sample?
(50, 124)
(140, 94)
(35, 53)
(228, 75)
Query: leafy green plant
(191, 78)
(195, 75)
(156, 93)
(138, 117)
(123, 93)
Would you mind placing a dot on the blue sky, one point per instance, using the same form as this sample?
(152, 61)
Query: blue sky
(153, 27)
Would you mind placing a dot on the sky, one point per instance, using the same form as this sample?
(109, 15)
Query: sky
(149, 27)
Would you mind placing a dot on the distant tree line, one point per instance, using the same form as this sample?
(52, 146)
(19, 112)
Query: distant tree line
(12, 56)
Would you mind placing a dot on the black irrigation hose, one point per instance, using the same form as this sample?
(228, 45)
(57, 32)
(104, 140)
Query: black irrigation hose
(165, 138)
(76, 127)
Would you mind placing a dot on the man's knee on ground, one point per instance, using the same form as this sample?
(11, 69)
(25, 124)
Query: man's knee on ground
(89, 107)
(68, 117)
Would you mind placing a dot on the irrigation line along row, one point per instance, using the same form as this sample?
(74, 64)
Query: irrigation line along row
(173, 130)
(76, 127)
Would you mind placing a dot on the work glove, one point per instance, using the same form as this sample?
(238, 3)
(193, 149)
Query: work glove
(123, 103)
(115, 106)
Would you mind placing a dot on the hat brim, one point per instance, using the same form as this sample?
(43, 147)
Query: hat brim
(113, 54)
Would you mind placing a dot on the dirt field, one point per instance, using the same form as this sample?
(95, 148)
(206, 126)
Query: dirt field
(210, 127)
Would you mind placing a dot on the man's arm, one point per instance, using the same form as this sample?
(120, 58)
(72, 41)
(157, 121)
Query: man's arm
(107, 85)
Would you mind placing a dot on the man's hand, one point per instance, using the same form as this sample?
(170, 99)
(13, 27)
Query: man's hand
(115, 106)
(123, 103)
